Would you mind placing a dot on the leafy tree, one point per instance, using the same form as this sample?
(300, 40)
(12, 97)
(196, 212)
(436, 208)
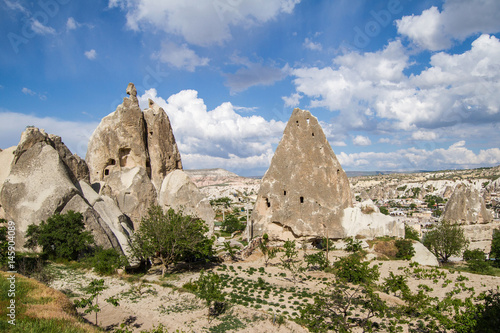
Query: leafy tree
(495, 248)
(224, 201)
(353, 245)
(91, 303)
(343, 309)
(316, 260)
(405, 249)
(209, 289)
(476, 261)
(171, 237)
(411, 233)
(290, 260)
(352, 269)
(231, 224)
(268, 252)
(445, 240)
(61, 236)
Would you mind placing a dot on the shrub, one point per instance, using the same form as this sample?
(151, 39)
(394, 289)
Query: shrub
(476, 261)
(353, 245)
(231, 224)
(316, 260)
(62, 236)
(209, 289)
(495, 248)
(395, 283)
(352, 269)
(384, 210)
(411, 233)
(106, 262)
(405, 249)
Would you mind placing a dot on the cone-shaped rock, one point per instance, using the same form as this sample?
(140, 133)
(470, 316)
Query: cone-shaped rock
(466, 206)
(305, 191)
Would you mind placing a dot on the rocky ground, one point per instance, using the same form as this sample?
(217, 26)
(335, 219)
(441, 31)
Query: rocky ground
(260, 294)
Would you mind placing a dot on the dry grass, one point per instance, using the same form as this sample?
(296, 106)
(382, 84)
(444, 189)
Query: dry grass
(386, 248)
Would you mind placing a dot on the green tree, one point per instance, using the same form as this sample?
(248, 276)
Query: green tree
(384, 210)
(4, 244)
(290, 260)
(171, 237)
(352, 269)
(445, 240)
(411, 233)
(61, 236)
(91, 303)
(495, 248)
(268, 252)
(476, 261)
(209, 289)
(231, 224)
(405, 249)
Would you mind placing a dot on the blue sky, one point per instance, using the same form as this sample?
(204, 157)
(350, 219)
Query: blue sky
(396, 84)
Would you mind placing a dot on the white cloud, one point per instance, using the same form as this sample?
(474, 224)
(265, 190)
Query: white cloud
(180, 56)
(459, 19)
(455, 156)
(253, 74)
(454, 89)
(309, 44)
(293, 100)
(15, 5)
(360, 140)
(74, 134)
(91, 54)
(41, 29)
(30, 92)
(424, 135)
(72, 24)
(219, 137)
(201, 22)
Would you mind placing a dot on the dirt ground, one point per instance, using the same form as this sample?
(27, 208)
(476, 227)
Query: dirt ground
(151, 300)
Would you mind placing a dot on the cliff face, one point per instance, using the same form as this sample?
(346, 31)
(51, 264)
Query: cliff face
(305, 191)
(466, 206)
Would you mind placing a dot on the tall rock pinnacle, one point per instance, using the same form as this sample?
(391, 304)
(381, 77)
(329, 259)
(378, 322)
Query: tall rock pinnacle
(305, 191)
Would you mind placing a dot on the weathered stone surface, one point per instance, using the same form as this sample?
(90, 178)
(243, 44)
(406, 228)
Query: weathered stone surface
(163, 152)
(466, 206)
(119, 141)
(305, 191)
(366, 220)
(423, 256)
(133, 192)
(38, 185)
(77, 166)
(180, 193)
(6, 158)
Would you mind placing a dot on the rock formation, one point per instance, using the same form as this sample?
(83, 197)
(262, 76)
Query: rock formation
(180, 193)
(466, 206)
(6, 158)
(43, 180)
(130, 154)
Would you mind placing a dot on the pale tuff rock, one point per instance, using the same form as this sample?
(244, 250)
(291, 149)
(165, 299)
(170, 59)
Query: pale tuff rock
(305, 191)
(6, 158)
(40, 183)
(180, 193)
(130, 153)
(163, 152)
(423, 256)
(466, 206)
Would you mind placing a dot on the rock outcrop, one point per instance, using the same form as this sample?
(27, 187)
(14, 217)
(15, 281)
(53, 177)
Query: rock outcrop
(41, 182)
(466, 206)
(6, 158)
(180, 193)
(130, 153)
(305, 191)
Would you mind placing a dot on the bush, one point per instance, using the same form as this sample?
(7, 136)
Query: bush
(476, 261)
(316, 260)
(106, 262)
(231, 224)
(405, 249)
(495, 248)
(209, 289)
(353, 245)
(4, 244)
(411, 233)
(62, 236)
(352, 269)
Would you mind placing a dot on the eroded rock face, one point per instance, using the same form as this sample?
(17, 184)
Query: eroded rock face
(130, 153)
(305, 191)
(163, 152)
(466, 206)
(43, 180)
(180, 193)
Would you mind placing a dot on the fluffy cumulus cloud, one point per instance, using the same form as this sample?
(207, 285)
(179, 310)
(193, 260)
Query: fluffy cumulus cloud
(455, 156)
(372, 92)
(201, 22)
(180, 56)
(437, 30)
(360, 140)
(74, 134)
(220, 137)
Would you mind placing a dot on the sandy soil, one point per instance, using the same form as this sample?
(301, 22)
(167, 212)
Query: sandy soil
(151, 300)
